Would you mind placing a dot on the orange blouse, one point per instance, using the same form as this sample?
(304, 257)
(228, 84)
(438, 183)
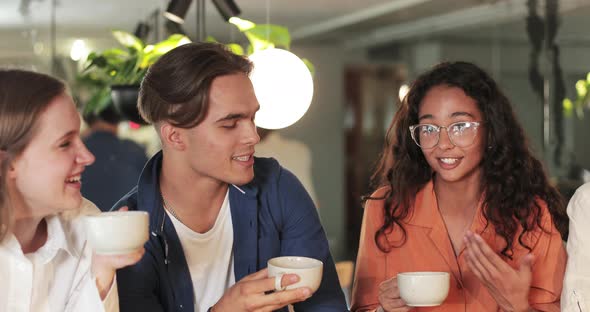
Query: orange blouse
(428, 248)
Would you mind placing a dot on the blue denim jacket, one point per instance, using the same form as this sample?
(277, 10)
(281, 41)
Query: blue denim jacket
(272, 216)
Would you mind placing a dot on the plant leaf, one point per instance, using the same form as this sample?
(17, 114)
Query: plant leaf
(153, 53)
(98, 101)
(266, 36)
(211, 39)
(581, 88)
(309, 66)
(128, 40)
(568, 108)
(235, 48)
(242, 24)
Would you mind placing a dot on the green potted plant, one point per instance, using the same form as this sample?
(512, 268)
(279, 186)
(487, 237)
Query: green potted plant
(113, 76)
(261, 37)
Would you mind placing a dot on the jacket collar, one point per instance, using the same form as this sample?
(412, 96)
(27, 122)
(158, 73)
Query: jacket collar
(149, 198)
(148, 193)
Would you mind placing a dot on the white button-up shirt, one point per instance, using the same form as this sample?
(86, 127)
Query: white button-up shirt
(57, 276)
(575, 296)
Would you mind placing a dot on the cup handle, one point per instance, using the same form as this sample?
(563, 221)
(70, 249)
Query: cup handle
(278, 278)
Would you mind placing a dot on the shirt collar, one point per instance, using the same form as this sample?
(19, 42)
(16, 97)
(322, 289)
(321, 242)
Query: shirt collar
(56, 240)
(426, 213)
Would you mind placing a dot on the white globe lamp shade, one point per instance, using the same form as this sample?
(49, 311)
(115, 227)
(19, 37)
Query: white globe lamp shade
(283, 87)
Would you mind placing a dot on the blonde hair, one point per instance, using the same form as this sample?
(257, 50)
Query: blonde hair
(24, 95)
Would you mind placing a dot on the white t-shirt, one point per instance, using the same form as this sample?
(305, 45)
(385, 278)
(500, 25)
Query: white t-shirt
(210, 257)
(57, 276)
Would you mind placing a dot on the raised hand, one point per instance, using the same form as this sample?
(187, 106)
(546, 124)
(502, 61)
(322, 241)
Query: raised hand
(509, 287)
(252, 294)
(389, 297)
(105, 266)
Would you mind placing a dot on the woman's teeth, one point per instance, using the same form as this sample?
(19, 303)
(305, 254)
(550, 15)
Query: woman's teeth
(73, 179)
(242, 158)
(449, 161)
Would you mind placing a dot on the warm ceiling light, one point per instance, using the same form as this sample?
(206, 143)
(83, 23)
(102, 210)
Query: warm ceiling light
(283, 87)
(403, 91)
(79, 50)
(177, 10)
(227, 8)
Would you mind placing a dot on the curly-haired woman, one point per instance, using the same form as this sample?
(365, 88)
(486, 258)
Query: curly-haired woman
(461, 192)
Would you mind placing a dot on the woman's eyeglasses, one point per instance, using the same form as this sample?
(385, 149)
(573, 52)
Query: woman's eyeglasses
(461, 134)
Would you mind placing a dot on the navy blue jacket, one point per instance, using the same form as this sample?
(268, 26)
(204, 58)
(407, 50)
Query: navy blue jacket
(273, 216)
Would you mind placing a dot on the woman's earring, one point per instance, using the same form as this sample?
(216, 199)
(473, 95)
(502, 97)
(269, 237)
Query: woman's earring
(489, 147)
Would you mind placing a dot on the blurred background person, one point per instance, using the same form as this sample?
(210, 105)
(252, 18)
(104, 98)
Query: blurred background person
(118, 161)
(292, 154)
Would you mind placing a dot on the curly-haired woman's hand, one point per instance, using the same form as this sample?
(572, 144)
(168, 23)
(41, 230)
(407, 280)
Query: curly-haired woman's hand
(389, 297)
(509, 287)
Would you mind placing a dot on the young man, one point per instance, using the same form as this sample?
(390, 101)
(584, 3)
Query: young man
(217, 214)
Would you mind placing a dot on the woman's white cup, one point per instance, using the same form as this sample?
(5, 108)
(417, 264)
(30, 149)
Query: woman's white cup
(423, 289)
(117, 232)
(309, 271)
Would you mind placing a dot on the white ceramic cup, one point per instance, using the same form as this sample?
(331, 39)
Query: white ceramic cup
(423, 289)
(309, 271)
(117, 232)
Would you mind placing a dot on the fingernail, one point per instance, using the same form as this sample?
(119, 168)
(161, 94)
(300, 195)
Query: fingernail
(306, 292)
(293, 278)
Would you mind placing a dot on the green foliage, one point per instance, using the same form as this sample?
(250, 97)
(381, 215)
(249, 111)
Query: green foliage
(582, 100)
(264, 36)
(129, 64)
(121, 66)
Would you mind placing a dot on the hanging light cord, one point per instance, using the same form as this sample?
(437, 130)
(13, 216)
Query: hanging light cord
(267, 20)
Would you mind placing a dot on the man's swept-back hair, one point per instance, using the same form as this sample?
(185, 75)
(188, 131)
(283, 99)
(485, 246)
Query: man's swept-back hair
(513, 180)
(176, 88)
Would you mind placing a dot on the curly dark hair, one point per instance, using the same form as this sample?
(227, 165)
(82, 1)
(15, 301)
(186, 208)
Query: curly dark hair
(513, 179)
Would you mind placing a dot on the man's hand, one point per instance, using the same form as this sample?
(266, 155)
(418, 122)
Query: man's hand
(253, 293)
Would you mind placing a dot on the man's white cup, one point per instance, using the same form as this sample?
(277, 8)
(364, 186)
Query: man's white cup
(117, 232)
(423, 289)
(309, 271)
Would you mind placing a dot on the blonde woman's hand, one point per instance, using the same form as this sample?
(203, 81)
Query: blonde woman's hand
(104, 267)
(389, 297)
(509, 287)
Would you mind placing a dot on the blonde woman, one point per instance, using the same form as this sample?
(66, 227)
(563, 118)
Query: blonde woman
(45, 263)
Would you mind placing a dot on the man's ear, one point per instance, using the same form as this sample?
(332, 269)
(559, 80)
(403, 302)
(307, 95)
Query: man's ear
(172, 136)
(11, 171)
